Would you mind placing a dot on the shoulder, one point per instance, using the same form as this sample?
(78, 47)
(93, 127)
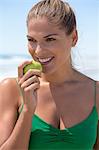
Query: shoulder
(97, 84)
(8, 85)
(7, 81)
(8, 91)
(97, 90)
(97, 95)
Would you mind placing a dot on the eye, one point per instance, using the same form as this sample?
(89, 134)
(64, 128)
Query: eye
(50, 39)
(32, 40)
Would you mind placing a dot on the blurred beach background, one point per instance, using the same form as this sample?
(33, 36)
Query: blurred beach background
(13, 31)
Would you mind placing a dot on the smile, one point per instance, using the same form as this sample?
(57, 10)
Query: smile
(45, 60)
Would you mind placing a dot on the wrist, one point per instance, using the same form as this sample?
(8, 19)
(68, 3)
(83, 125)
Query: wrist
(28, 111)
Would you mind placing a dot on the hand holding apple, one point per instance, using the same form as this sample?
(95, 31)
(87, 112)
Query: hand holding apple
(29, 84)
(33, 65)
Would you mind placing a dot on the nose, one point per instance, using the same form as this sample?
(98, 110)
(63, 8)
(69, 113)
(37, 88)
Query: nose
(38, 49)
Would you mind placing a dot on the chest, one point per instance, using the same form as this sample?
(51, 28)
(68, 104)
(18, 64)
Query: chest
(65, 106)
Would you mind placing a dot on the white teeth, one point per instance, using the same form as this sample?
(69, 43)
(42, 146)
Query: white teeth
(45, 60)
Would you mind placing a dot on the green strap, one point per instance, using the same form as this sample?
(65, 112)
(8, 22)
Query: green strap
(20, 91)
(21, 108)
(95, 92)
(21, 95)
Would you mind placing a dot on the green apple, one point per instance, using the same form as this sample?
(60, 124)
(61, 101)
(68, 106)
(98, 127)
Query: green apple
(33, 65)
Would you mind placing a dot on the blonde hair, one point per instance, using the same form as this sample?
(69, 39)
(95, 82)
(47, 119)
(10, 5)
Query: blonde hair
(57, 12)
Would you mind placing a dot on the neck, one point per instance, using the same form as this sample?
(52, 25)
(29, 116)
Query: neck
(63, 75)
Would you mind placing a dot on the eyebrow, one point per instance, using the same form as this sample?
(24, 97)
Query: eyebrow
(29, 37)
(44, 36)
(49, 35)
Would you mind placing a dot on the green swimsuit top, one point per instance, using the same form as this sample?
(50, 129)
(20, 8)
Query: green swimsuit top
(81, 136)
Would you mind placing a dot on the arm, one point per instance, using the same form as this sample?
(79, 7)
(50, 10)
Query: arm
(14, 133)
(96, 146)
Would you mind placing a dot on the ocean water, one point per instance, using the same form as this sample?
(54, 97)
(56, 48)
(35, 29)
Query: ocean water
(9, 66)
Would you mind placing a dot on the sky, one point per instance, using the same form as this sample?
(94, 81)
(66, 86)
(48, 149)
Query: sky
(13, 29)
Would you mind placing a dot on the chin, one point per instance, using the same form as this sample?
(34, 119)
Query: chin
(49, 71)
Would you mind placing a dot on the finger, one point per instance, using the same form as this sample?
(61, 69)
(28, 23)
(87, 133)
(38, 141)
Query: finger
(32, 87)
(29, 74)
(20, 69)
(32, 80)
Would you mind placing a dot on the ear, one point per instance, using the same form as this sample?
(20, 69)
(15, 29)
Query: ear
(74, 37)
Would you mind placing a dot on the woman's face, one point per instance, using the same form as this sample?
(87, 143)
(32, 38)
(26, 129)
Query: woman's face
(48, 44)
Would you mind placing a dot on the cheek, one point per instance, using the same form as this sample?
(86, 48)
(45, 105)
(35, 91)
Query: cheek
(30, 50)
(63, 53)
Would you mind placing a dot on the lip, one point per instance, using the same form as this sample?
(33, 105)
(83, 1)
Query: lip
(45, 63)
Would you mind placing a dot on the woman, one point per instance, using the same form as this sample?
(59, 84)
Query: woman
(58, 107)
